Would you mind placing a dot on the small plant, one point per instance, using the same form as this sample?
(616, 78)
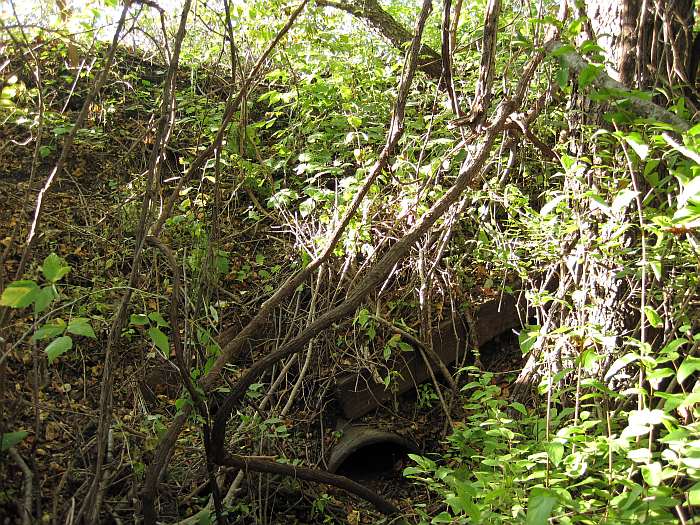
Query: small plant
(427, 396)
(155, 322)
(25, 293)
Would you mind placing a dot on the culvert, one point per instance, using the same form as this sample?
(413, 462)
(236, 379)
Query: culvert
(359, 394)
(365, 453)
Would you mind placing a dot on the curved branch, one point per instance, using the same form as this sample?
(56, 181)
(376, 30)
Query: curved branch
(429, 60)
(256, 464)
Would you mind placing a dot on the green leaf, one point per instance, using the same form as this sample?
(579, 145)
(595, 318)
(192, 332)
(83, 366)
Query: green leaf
(562, 76)
(44, 298)
(58, 347)
(694, 494)
(551, 205)
(51, 329)
(443, 517)
(539, 506)
(362, 317)
(653, 317)
(19, 294)
(588, 74)
(652, 474)
(158, 319)
(555, 451)
(138, 319)
(54, 268)
(621, 363)
(527, 338)
(688, 367)
(160, 340)
(81, 326)
(622, 200)
(10, 439)
(636, 141)
(563, 50)
(387, 352)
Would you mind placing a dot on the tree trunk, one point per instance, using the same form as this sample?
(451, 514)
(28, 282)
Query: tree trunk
(647, 43)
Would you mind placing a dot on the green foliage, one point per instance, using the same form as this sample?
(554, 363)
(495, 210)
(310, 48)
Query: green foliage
(10, 439)
(24, 293)
(153, 322)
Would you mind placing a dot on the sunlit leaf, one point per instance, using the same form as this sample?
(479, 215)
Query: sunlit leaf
(653, 317)
(637, 143)
(555, 451)
(19, 294)
(54, 268)
(688, 367)
(652, 474)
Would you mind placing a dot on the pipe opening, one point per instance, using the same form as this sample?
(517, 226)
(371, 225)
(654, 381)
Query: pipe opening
(374, 461)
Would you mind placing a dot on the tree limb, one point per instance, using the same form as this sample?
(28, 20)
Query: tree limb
(429, 60)
(643, 108)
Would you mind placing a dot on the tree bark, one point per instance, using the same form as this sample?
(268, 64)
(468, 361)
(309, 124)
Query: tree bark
(429, 60)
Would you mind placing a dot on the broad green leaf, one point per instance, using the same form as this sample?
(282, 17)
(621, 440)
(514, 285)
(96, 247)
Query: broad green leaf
(562, 76)
(160, 340)
(652, 474)
(653, 317)
(44, 298)
(138, 319)
(58, 347)
(551, 205)
(19, 294)
(362, 317)
(620, 363)
(588, 75)
(81, 326)
(636, 141)
(688, 367)
(10, 439)
(690, 190)
(51, 329)
(158, 319)
(443, 517)
(673, 346)
(691, 399)
(519, 407)
(527, 338)
(694, 494)
(563, 50)
(539, 506)
(54, 268)
(622, 200)
(555, 451)
(640, 455)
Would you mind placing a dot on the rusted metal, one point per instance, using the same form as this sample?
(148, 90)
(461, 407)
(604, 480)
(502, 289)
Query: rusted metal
(359, 394)
(356, 438)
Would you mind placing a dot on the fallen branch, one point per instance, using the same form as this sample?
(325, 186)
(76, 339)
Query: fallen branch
(255, 464)
(642, 107)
